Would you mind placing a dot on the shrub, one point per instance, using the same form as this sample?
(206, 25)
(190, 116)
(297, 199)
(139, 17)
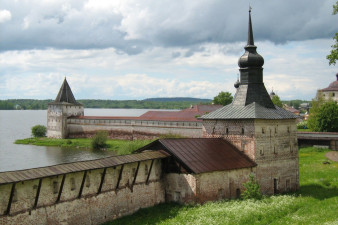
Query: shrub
(39, 131)
(302, 125)
(325, 118)
(99, 140)
(130, 146)
(252, 189)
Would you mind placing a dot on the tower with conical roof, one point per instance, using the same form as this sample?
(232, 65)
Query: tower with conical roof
(264, 132)
(63, 107)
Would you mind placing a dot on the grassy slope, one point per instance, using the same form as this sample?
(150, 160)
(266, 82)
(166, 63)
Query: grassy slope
(315, 203)
(121, 147)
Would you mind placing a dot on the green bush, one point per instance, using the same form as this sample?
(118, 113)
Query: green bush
(39, 131)
(324, 118)
(252, 189)
(99, 140)
(302, 125)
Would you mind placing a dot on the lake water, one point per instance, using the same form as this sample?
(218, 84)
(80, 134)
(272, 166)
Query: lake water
(17, 124)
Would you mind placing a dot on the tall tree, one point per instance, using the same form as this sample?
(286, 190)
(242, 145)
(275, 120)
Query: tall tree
(326, 118)
(334, 52)
(276, 101)
(223, 98)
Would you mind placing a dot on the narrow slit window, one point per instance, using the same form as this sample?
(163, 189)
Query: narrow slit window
(146, 169)
(55, 187)
(72, 184)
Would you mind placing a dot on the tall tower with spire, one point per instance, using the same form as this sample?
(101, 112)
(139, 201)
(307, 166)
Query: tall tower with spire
(264, 132)
(63, 107)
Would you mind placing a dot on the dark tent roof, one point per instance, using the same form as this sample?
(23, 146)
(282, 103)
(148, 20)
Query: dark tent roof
(201, 155)
(65, 94)
(251, 100)
(252, 111)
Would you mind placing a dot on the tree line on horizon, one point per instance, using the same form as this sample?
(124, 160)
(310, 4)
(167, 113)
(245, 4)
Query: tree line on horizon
(153, 103)
(33, 104)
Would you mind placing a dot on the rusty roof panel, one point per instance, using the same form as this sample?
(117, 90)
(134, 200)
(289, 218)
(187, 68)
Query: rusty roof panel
(202, 155)
(35, 173)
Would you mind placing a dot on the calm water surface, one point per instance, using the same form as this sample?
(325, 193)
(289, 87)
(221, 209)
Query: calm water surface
(17, 124)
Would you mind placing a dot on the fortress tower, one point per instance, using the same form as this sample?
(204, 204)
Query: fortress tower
(263, 131)
(63, 107)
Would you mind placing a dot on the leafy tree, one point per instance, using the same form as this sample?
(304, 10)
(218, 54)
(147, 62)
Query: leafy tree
(39, 131)
(323, 115)
(223, 98)
(276, 101)
(325, 118)
(334, 52)
(316, 103)
(99, 140)
(252, 189)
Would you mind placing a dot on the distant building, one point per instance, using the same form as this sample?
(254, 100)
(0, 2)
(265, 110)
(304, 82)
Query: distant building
(331, 92)
(291, 109)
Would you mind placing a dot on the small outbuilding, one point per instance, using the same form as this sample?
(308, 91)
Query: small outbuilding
(202, 169)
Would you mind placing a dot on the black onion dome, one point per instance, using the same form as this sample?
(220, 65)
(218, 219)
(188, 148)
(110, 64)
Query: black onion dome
(250, 58)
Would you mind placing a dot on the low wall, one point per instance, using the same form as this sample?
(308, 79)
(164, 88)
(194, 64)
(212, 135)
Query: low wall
(132, 129)
(91, 202)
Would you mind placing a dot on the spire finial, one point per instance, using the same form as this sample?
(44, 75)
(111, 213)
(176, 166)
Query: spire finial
(250, 33)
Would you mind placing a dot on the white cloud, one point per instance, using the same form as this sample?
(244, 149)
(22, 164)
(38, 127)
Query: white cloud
(134, 49)
(5, 15)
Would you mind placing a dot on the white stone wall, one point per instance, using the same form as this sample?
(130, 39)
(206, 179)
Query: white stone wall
(180, 188)
(272, 144)
(222, 184)
(91, 208)
(133, 129)
(199, 188)
(57, 115)
(330, 95)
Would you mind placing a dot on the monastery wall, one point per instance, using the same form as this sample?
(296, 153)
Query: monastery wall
(199, 188)
(118, 195)
(132, 129)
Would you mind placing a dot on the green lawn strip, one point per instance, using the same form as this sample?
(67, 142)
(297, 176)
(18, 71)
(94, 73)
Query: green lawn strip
(121, 147)
(315, 203)
(304, 130)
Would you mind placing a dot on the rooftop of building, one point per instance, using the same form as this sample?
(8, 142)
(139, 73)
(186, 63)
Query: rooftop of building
(201, 155)
(333, 86)
(65, 95)
(48, 171)
(251, 100)
(190, 114)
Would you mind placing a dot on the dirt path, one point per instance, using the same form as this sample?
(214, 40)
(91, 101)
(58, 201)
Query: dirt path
(332, 156)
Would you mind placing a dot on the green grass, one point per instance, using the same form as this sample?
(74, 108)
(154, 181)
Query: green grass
(121, 147)
(315, 203)
(304, 130)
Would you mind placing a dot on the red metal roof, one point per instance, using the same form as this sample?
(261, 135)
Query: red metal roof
(188, 114)
(200, 155)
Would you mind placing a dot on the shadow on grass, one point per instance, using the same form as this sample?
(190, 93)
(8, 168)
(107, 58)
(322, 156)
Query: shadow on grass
(151, 215)
(318, 191)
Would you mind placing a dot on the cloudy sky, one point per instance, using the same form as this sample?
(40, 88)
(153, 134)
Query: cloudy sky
(136, 49)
